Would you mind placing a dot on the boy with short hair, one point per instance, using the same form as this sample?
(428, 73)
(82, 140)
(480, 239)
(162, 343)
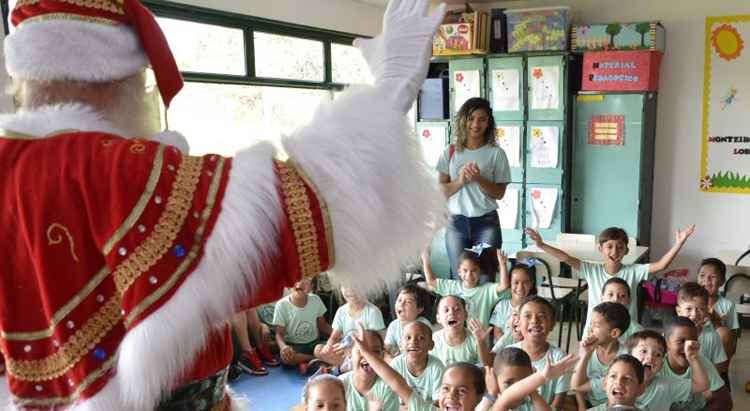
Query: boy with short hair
(421, 370)
(410, 305)
(623, 382)
(678, 365)
(613, 246)
(692, 302)
(712, 275)
(616, 290)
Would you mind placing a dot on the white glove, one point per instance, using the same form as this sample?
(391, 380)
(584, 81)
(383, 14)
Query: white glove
(400, 56)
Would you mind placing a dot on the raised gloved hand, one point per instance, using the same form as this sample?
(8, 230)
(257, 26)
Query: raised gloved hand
(399, 56)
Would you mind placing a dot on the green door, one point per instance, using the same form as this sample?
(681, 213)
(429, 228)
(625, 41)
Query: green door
(607, 154)
(547, 85)
(544, 209)
(467, 80)
(506, 87)
(545, 142)
(510, 137)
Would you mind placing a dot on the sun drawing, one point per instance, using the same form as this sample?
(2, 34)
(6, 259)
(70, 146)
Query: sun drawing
(727, 42)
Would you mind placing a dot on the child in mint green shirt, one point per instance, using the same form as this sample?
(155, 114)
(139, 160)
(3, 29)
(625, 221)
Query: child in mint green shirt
(454, 342)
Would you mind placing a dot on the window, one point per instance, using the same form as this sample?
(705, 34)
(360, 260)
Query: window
(285, 57)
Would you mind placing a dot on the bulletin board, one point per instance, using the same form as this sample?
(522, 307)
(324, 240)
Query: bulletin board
(725, 158)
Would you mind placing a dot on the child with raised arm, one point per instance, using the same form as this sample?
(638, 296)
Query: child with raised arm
(692, 302)
(522, 283)
(454, 342)
(410, 305)
(613, 246)
(616, 290)
(480, 299)
(420, 369)
(362, 384)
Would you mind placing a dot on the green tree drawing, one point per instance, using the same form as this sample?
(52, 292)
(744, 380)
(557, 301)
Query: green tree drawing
(642, 29)
(613, 30)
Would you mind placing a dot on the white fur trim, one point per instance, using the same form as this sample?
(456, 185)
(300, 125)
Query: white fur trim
(173, 138)
(50, 119)
(383, 200)
(73, 50)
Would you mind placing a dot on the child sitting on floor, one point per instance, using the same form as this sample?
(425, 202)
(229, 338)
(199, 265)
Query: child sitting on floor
(613, 246)
(324, 392)
(616, 290)
(692, 302)
(420, 369)
(512, 336)
(454, 343)
(480, 299)
(299, 320)
(623, 382)
(409, 306)
(522, 284)
(362, 384)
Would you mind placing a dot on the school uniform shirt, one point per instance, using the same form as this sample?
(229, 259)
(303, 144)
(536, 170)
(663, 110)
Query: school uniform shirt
(696, 401)
(396, 330)
(480, 300)
(726, 308)
(370, 316)
(632, 329)
(595, 370)
(550, 388)
(501, 315)
(711, 346)
(470, 200)
(300, 323)
(658, 396)
(380, 390)
(595, 275)
(427, 384)
(466, 351)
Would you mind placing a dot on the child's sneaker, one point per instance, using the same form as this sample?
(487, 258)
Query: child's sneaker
(311, 366)
(251, 364)
(267, 357)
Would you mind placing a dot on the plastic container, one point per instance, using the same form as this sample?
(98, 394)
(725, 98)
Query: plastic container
(538, 29)
(643, 35)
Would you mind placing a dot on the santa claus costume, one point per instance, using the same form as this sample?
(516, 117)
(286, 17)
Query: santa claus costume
(121, 258)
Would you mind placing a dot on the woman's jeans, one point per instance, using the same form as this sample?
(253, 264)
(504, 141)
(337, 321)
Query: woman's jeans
(465, 232)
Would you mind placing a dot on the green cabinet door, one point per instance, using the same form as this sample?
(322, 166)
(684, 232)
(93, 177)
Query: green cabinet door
(547, 87)
(511, 212)
(545, 209)
(467, 80)
(506, 87)
(510, 137)
(545, 151)
(608, 155)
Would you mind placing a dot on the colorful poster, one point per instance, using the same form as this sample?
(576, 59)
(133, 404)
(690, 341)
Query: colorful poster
(432, 140)
(507, 209)
(725, 160)
(545, 142)
(466, 85)
(543, 203)
(505, 86)
(545, 88)
(509, 139)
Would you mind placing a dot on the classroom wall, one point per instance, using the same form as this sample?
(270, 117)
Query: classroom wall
(723, 220)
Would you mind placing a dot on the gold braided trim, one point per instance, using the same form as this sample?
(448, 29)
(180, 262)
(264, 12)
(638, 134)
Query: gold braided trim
(165, 231)
(61, 313)
(57, 401)
(327, 225)
(301, 219)
(70, 17)
(77, 346)
(135, 214)
(197, 244)
(112, 6)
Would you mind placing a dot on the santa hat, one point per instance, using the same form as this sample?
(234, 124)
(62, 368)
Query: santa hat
(88, 40)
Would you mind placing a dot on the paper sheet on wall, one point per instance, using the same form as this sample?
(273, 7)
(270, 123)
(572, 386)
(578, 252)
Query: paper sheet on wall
(543, 202)
(545, 88)
(507, 209)
(505, 85)
(545, 143)
(466, 85)
(432, 141)
(509, 139)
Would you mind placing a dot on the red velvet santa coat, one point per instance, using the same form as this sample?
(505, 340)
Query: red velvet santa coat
(121, 259)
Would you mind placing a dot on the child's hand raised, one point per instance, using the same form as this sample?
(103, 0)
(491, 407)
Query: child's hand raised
(479, 332)
(552, 371)
(359, 338)
(490, 381)
(588, 344)
(692, 348)
(502, 258)
(535, 237)
(682, 235)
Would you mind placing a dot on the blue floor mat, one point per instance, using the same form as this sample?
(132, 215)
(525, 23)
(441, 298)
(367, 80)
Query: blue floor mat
(280, 390)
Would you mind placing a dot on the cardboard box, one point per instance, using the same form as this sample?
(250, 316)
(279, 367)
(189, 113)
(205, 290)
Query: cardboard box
(621, 70)
(644, 35)
(467, 36)
(538, 29)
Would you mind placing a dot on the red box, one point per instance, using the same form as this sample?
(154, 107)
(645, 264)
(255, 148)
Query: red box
(621, 70)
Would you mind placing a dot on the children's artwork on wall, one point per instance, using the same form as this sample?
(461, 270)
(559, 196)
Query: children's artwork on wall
(545, 88)
(507, 209)
(545, 142)
(607, 130)
(543, 203)
(509, 139)
(432, 140)
(505, 86)
(466, 85)
(725, 160)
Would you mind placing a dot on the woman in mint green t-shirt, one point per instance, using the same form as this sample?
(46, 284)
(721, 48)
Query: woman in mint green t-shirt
(474, 173)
